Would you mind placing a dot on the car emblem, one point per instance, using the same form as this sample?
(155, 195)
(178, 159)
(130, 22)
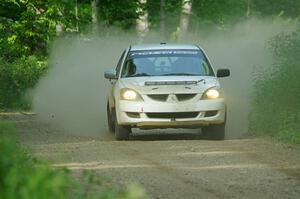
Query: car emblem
(172, 98)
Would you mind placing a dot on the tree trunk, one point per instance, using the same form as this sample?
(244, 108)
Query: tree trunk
(95, 21)
(162, 17)
(76, 15)
(142, 22)
(248, 8)
(59, 28)
(184, 19)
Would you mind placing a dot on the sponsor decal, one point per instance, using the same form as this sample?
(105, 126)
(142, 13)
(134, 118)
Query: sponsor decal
(164, 52)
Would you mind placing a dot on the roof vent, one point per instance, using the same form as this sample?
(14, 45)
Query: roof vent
(162, 43)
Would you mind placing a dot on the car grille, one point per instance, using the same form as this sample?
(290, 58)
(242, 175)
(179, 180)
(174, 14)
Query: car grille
(184, 97)
(178, 115)
(159, 97)
(179, 97)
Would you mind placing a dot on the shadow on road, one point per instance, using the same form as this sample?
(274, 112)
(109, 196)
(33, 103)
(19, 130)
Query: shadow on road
(150, 137)
(168, 134)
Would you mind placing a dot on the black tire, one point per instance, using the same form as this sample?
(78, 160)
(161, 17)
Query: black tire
(121, 132)
(214, 131)
(110, 120)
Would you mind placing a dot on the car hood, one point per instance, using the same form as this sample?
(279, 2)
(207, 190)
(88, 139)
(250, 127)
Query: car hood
(169, 84)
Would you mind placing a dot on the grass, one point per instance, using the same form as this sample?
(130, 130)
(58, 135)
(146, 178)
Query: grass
(276, 106)
(7, 129)
(24, 177)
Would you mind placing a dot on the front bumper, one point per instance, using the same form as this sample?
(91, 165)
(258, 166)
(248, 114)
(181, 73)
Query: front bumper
(193, 114)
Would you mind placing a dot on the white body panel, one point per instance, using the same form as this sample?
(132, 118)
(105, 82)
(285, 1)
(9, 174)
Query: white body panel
(172, 104)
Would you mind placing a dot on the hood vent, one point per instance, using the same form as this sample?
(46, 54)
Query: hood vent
(159, 83)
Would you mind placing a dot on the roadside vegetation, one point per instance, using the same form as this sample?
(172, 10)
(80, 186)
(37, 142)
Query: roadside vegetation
(22, 176)
(276, 104)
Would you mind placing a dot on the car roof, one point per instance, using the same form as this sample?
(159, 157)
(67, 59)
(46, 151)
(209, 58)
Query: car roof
(163, 46)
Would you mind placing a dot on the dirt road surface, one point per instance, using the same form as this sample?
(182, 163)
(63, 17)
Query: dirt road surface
(173, 164)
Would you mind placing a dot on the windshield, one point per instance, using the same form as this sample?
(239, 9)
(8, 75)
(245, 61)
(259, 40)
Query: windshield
(166, 63)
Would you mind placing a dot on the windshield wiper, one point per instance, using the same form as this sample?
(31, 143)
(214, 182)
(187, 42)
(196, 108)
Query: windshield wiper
(179, 74)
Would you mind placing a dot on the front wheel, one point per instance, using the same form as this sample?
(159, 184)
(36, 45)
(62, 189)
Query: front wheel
(121, 131)
(214, 131)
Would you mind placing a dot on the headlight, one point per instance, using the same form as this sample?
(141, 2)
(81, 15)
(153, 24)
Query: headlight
(129, 94)
(211, 93)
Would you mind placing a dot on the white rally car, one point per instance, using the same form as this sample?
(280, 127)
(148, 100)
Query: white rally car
(166, 86)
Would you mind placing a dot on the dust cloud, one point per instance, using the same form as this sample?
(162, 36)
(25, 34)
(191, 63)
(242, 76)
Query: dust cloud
(73, 93)
(244, 51)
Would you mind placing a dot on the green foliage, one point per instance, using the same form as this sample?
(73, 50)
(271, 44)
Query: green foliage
(208, 13)
(84, 17)
(119, 13)
(7, 130)
(26, 29)
(22, 177)
(16, 78)
(290, 8)
(172, 10)
(29, 26)
(276, 105)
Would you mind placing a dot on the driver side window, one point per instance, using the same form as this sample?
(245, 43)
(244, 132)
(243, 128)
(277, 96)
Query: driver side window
(129, 68)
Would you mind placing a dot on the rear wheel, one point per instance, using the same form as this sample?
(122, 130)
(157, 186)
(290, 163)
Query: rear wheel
(110, 120)
(214, 132)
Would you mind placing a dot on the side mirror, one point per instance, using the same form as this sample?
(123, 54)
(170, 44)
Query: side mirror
(110, 75)
(223, 73)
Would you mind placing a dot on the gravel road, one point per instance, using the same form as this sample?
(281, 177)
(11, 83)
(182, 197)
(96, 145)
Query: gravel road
(173, 164)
